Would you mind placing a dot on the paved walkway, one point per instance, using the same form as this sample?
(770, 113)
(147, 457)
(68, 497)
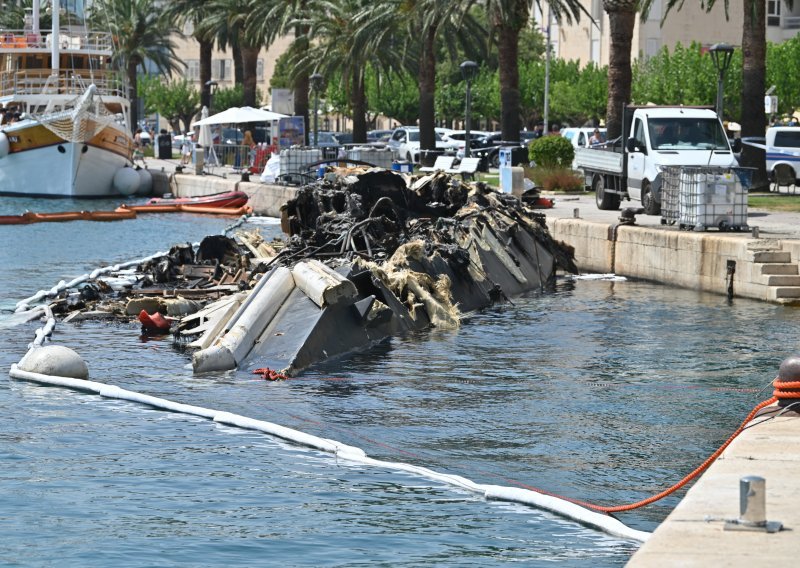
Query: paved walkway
(771, 224)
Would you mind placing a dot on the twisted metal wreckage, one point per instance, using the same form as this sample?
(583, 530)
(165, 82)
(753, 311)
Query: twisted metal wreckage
(370, 254)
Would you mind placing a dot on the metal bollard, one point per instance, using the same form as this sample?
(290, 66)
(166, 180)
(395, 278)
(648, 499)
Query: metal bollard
(576, 213)
(752, 501)
(753, 507)
(755, 232)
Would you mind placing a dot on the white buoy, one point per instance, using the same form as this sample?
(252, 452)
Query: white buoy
(145, 182)
(55, 360)
(5, 147)
(126, 181)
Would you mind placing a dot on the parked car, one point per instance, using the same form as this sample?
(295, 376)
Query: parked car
(344, 137)
(404, 143)
(579, 137)
(325, 139)
(379, 135)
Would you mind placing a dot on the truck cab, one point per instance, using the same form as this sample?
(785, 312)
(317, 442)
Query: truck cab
(654, 137)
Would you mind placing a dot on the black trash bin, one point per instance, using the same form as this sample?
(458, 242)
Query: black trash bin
(164, 146)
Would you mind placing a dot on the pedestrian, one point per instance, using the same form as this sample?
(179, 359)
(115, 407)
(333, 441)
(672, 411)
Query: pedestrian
(596, 138)
(251, 148)
(186, 149)
(138, 147)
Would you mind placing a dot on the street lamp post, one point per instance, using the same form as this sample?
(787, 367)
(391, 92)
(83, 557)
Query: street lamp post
(316, 84)
(721, 54)
(468, 71)
(212, 90)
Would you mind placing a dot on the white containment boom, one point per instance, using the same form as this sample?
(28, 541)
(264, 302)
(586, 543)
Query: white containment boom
(254, 316)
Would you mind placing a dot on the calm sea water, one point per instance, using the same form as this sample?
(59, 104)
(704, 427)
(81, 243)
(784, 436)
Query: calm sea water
(604, 391)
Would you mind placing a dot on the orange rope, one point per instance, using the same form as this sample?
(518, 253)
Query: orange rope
(269, 375)
(783, 390)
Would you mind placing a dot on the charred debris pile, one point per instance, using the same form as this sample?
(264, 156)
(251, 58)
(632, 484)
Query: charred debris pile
(368, 254)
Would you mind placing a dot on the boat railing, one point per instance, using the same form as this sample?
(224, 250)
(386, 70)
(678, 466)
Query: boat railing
(67, 82)
(68, 40)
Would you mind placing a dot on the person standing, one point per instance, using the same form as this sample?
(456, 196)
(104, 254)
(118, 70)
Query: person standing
(186, 149)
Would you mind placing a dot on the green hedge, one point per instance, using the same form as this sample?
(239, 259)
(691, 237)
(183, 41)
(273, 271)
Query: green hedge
(551, 152)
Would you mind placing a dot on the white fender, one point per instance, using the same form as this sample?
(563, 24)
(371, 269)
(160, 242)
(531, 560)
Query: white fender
(5, 146)
(126, 181)
(145, 182)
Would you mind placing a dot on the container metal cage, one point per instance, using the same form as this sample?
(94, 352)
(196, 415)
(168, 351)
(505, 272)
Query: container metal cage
(700, 197)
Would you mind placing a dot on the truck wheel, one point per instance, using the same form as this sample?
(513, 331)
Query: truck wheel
(496, 160)
(605, 201)
(651, 206)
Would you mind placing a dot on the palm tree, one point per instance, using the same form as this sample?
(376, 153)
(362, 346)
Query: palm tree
(754, 73)
(194, 13)
(507, 18)
(269, 19)
(621, 20)
(227, 21)
(412, 29)
(141, 33)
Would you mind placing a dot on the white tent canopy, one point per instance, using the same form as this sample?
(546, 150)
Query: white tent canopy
(238, 115)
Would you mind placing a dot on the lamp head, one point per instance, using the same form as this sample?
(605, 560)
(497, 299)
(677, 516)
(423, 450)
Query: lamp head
(316, 81)
(212, 86)
(721, 54)
(468, 70)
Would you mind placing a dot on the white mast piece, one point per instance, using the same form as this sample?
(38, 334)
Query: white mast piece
(55, 39)
(36, 5)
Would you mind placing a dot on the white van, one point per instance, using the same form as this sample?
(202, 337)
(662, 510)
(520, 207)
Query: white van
(783, 151)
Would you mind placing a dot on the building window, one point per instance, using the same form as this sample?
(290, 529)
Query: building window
(651, 48)
(193, 69)
(774, 12)
(655, 11)
(220, 69)
(595, 56)
(260, 70)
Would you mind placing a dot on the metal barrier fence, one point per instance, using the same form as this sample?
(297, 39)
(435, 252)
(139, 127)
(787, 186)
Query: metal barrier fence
(239, 158)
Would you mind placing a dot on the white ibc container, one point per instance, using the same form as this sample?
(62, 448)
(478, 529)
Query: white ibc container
(712, 198)
(380, 157)
(297, 160)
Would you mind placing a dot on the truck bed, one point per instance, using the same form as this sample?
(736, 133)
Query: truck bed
(598, 159)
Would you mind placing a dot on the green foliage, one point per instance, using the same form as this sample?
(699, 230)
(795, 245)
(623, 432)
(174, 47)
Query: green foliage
(556, 179)
(395, 96)
(783, 71)
(228, 98)
(686, 76)
(551, 152)
(175, 100)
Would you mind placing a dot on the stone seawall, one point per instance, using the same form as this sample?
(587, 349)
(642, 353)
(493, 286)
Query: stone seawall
(761, 269)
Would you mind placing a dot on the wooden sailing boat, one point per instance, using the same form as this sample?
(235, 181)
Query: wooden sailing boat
(73, 138)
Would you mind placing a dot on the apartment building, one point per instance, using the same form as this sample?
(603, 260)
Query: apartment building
(588, 41)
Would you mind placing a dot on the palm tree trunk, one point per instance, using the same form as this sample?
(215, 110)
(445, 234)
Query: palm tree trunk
(621, 19)
(359, 104)
(239, 64)
(301, 83)
(508, 64)
(132, 96)
(754, 48)
(250, 62)
(206, 48)
(427, 91)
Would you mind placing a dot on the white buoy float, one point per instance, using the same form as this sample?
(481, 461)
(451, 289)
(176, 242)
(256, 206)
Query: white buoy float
(5, 146)
(145, 182)
(55, 360)
(126, 181)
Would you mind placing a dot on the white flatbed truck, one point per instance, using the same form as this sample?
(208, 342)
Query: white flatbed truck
(653, 137)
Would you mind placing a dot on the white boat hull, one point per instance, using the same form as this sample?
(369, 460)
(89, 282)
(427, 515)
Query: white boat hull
(66, 169)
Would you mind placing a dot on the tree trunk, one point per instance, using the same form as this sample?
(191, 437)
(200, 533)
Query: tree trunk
(206, 48)
(250, 62)
(427, 91)
(754, 118)
(132, 95)
(508, 63)
(621, 18)
(359, 104)
(239, 64)
(301, 83)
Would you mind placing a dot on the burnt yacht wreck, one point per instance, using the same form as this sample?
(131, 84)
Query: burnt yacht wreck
(372, 254)
(368, 254)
